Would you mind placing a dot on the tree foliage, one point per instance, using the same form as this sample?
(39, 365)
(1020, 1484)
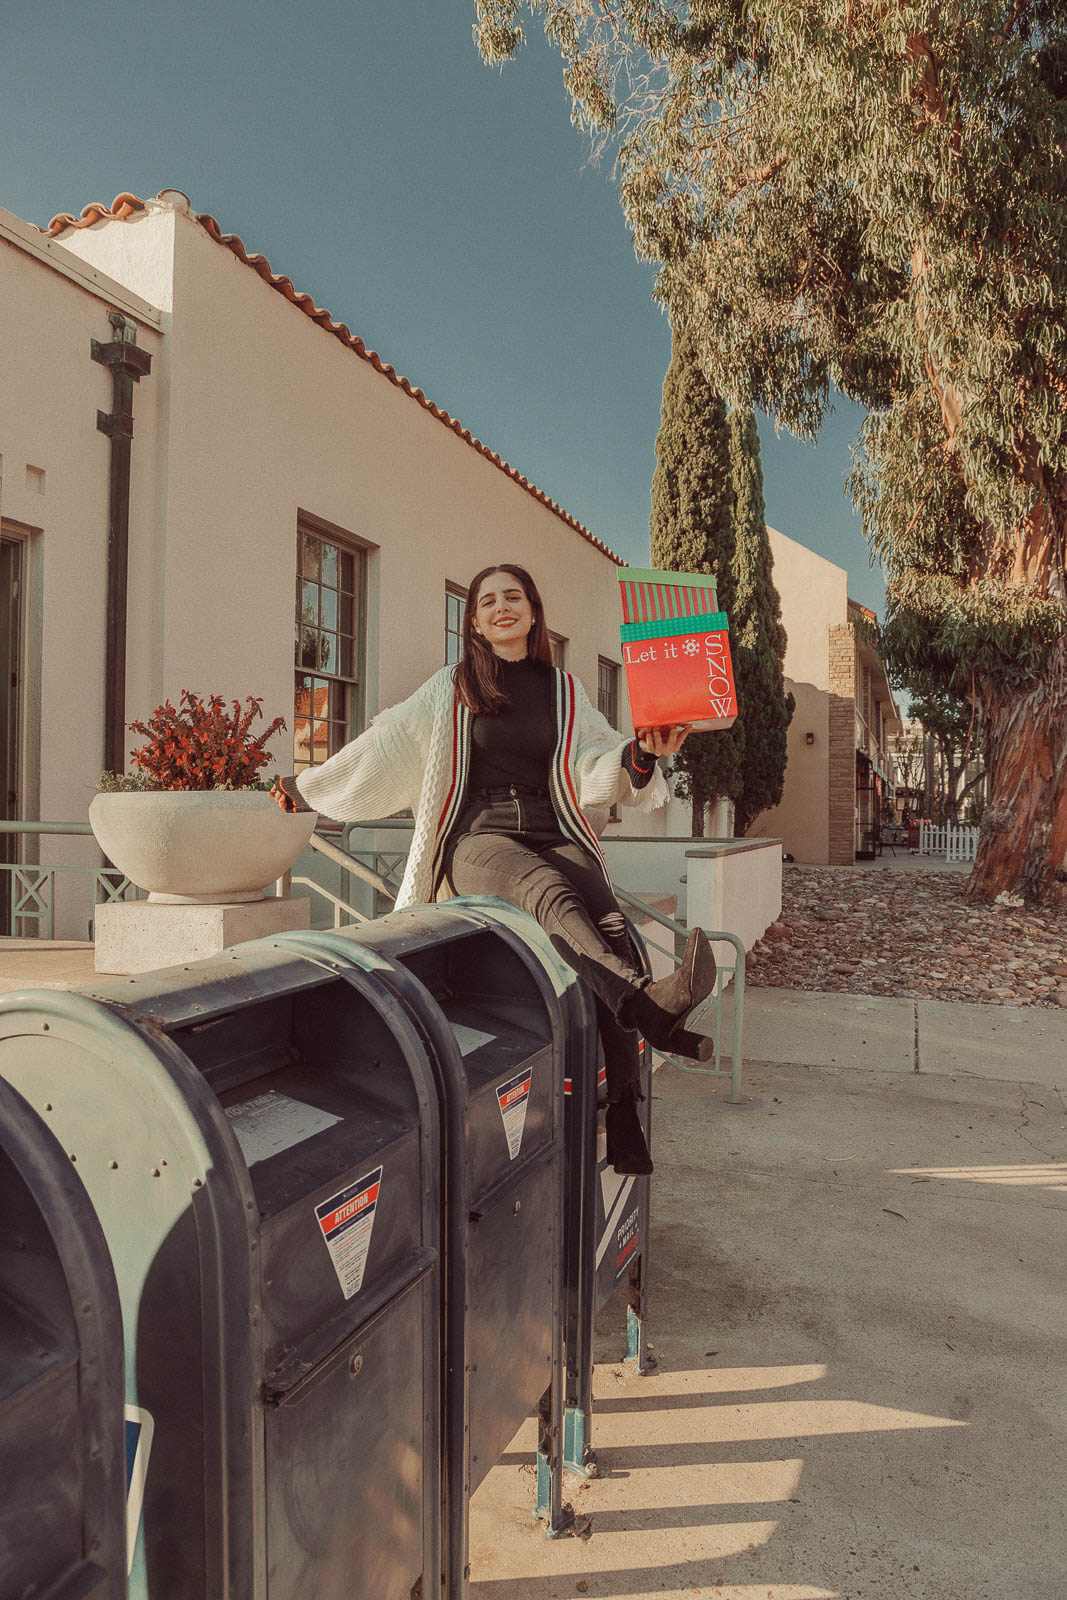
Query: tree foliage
(954, 726)
(708, 516)
(871, 196)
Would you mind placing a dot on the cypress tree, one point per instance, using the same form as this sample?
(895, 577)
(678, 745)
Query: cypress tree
(691, 531)
(757, 637)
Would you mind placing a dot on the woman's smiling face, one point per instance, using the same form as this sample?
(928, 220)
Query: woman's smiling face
(502, 614)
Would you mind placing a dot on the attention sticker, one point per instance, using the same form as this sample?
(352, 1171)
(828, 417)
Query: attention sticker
(346, 1220)
(513, 1098)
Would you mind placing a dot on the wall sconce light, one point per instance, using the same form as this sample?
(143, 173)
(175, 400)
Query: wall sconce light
(809, 738)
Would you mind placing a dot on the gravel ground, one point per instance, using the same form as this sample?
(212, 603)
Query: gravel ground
(908, 934)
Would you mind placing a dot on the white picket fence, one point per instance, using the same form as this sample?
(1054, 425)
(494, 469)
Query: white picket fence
(954, 841)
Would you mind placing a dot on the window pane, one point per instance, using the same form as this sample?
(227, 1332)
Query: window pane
(329, 564)
(302, 723)
(309, 647)
(328, 652)
(346, 665)
(328, 609)
(346, 571)
(309, 561)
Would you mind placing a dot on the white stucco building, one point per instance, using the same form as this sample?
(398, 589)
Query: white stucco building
(284, 484)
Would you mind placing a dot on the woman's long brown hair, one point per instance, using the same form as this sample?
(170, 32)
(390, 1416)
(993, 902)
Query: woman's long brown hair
(477, 671)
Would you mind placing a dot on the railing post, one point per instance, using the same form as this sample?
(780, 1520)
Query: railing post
(739, 1019)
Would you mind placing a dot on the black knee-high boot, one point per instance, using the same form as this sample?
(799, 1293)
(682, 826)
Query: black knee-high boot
(627, 1147)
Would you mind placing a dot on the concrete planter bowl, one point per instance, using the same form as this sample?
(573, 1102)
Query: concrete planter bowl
(190, 847)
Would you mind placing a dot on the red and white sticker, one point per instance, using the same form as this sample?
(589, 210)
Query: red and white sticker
(513, 1098)
(627, 1240)
(346, 1221)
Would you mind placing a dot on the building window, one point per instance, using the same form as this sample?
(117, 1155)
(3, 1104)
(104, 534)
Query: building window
(607, 703)
(329, 634)
(559, 648)
(455, 603)
(607, 690)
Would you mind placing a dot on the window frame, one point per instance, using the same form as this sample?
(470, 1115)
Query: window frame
(615, 668)
(354, 684)
(454, 591)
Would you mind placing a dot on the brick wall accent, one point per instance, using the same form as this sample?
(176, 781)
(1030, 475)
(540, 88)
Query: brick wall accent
(843, 671)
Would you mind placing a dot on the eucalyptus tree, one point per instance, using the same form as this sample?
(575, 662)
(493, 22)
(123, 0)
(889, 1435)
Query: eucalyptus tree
(871, 196)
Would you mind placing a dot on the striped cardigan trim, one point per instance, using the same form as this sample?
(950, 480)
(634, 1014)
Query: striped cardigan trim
(461, 747)
(572, 818)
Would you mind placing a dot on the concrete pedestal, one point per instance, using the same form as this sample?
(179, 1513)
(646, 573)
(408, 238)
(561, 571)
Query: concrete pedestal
(734, 885)
(134, 936)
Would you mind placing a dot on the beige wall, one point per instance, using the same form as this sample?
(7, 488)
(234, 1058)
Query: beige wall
(54, 491)
(814, 598)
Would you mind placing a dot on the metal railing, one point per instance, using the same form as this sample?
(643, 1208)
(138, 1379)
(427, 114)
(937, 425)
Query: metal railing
(714, 1000)
(31, 891)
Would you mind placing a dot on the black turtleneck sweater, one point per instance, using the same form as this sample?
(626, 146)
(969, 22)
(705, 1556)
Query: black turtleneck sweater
(515, 746)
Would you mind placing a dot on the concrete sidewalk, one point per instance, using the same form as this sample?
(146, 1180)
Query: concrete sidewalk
(1017, 1044)
(857, 1309)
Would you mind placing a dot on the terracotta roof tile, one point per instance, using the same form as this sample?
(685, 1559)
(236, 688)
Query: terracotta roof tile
(126, 205)
(123, 206)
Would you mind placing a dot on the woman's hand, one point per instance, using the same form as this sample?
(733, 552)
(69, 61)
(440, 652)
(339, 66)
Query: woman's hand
(278, 793)
(663, 741)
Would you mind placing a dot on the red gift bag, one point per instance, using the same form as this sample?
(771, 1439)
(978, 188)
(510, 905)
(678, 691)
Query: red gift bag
(678, 670)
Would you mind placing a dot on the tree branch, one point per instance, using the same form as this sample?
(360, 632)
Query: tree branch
(1021, 7)
(753, 175)
(929, 92)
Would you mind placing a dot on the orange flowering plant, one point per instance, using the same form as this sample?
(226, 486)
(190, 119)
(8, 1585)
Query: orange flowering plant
(198, 746)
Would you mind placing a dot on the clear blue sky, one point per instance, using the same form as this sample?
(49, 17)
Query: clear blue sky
(448, 213)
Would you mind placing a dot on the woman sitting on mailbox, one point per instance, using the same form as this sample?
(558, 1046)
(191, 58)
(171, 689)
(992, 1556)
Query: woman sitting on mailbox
(495, 756)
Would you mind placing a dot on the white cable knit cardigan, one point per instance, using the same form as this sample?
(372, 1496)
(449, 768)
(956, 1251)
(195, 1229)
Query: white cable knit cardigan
(416, 755)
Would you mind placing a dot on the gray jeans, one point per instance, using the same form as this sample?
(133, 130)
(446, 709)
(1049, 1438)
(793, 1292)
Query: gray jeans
(508, 842)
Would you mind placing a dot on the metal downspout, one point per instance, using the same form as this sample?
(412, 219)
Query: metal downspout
(128, 365)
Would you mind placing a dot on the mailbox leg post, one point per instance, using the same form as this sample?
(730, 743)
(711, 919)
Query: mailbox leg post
(558, 1518)
(638, 1353)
